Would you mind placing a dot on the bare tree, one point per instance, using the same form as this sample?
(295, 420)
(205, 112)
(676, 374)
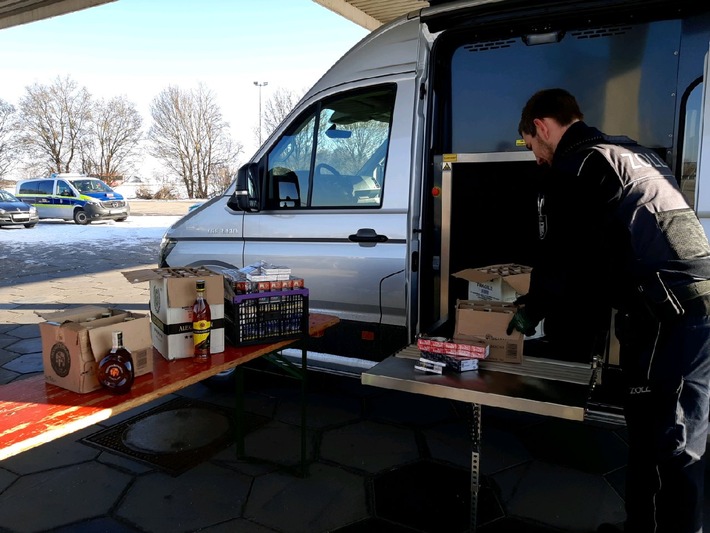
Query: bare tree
(191, 138)
(276, 108)
(7, 154)
(52, 124)
(113, 135)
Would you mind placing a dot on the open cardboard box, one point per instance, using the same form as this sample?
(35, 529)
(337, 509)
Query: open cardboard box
(487, 321)
(75, 340)
(502, 283)
(172, 293)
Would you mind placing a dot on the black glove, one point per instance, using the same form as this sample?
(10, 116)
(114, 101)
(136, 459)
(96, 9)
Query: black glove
(522, 322)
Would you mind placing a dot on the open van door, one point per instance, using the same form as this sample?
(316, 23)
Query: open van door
(703, 173)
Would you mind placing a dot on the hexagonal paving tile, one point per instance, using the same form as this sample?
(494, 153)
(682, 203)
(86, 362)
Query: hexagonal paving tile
(78, 492)
(597, 450)
(429, 497)
(201, 497)
(550, 494)
(329, 498)
(26, 364)
(369, 446)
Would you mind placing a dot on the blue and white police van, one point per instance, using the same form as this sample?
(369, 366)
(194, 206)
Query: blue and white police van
(75, 197)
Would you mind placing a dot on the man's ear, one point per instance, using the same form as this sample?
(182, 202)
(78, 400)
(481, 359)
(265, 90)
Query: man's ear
(541, 128)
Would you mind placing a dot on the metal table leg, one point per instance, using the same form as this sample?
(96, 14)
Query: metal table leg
(475, 461)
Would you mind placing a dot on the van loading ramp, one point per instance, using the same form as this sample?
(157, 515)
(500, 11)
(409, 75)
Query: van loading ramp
(541, 386)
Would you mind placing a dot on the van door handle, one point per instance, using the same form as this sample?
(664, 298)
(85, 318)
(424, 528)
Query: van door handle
(367, 235)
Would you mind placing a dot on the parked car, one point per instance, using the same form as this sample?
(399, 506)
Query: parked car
(15, 212)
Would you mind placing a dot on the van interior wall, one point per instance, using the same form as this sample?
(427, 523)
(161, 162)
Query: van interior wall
(493, 217)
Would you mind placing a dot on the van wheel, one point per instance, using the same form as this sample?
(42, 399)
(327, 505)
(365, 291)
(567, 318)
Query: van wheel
(121, 219)
(80, 217)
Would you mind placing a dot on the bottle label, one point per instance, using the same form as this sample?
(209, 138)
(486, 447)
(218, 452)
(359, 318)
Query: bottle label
(201, 334)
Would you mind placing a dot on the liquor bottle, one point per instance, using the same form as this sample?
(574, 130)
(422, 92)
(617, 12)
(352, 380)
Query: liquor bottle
(201, 323)
(116, 372)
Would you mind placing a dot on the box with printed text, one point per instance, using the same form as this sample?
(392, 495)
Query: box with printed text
(172, 293)
(74, 341)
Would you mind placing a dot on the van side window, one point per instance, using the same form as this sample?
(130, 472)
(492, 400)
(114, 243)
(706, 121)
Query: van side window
(335, 156)
(37, 187)
(688, 168)
(63, 189)
(30, 187)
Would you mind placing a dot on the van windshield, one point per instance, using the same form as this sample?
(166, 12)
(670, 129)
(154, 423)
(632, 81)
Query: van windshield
(90, 186)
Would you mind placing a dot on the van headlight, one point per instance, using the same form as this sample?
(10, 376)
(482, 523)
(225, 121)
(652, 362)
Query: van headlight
(33, 210)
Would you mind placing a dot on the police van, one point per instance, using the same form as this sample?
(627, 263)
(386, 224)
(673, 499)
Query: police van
(76, 197)
(403, 165)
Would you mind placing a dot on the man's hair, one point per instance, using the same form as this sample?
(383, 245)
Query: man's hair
(556, 104)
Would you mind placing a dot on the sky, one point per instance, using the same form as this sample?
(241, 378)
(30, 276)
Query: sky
(137, 48)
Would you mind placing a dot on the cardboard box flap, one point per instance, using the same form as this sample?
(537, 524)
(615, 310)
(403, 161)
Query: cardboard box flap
(180, 283)
(141, 276)
(519, 282)
(135, 337)
(475, 275)
(72, 315)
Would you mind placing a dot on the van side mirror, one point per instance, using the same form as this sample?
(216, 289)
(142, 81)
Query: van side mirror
(246, 193)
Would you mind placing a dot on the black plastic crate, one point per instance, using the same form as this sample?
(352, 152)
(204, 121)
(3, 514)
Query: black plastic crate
(266, 317)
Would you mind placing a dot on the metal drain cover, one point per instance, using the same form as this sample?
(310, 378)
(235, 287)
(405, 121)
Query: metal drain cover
(177, 430)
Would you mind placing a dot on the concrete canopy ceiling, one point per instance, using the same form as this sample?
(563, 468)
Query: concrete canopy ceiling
(369, 14)
(16, 12)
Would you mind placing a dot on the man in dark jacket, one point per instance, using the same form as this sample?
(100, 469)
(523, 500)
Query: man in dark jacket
(614, 209)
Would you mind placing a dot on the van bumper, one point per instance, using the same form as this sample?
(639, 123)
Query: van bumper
(101, 212)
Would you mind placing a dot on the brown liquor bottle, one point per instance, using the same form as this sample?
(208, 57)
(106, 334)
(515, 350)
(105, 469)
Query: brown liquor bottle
(201, 323)
(116, 372)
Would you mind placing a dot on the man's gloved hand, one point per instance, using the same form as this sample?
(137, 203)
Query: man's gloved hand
(522, 322)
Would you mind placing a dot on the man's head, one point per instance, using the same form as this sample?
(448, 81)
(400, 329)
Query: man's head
(545, 118)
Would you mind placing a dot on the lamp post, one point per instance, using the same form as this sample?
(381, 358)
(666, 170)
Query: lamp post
(260, 84)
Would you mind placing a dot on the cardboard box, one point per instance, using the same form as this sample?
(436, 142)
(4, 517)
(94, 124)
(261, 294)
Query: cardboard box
(172, 293)
(480, 320)
(75, 340)
(502, 283)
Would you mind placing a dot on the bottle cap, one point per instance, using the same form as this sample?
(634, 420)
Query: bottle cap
(200, 284)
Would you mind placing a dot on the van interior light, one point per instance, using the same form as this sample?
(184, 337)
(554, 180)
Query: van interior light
(543, 38)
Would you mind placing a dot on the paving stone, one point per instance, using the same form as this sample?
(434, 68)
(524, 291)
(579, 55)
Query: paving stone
(599, 450)
(279, 443)
(327, 499)
(203, 496)
(7, 376)
(27, 331)
(321, 410)
(369, 446)
(239, 525)
(26, 364)
(98, 525)
(61, 452)
(425, 495)
(551, 494)
(26, 346)
(64, 495)
(6, 479)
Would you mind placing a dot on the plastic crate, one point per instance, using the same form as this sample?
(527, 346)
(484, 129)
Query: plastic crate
(266, 317)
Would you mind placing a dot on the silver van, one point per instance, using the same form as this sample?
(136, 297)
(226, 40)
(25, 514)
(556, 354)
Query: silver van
(76, 197)
(402, 165)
